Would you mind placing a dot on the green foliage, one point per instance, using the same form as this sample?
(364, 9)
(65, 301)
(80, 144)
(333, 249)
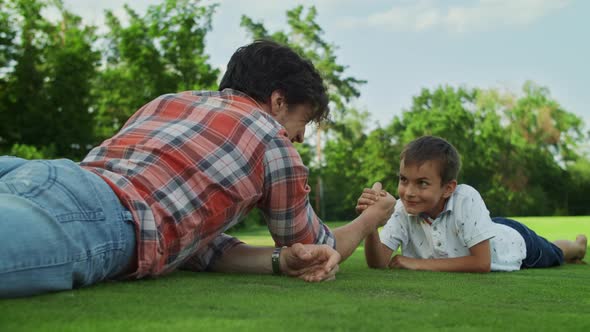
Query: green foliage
(71, 64)
(60, 95)
(31, 152)
(160, 52)
(7, 35)
(47, 94)
(305, 37)
(578, 183)
(22, 98)
(515, 150)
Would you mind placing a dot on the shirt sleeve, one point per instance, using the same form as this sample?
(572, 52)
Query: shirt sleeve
(475, 223)
(205, 258)
(285, 201)
(395, 232)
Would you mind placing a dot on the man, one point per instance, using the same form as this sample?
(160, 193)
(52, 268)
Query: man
(160, 194)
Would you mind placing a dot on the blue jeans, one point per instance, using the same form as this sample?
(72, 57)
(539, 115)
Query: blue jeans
(61, 227)
(539, 251)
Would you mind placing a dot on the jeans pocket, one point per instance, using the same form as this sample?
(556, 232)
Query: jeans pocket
(59, 186)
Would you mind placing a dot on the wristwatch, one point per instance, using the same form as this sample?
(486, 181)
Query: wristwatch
(276, 261)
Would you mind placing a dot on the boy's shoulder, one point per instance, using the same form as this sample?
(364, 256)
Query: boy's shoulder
(466, 190)
(464, 197)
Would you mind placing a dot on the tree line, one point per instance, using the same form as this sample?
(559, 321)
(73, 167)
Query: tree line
(65, 86)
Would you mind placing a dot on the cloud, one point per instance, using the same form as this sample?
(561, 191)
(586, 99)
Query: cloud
(483, 15)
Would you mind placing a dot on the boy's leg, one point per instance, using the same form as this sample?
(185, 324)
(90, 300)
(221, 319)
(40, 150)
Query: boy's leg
(540, 251)
(62, 227)
(573, 251)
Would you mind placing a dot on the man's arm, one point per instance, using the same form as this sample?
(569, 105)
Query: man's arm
(285, 198)
(308, 262)
(478, 261)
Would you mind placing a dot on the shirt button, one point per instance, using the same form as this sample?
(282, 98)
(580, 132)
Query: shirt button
(438, 244)
(434, 228)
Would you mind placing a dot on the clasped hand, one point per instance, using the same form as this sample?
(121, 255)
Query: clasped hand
(310, 262)
(378, 201)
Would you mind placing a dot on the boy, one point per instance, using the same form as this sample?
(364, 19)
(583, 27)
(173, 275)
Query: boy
(443, 226)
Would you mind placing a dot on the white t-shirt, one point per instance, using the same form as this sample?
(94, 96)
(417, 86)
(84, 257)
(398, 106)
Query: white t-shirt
(464, 223)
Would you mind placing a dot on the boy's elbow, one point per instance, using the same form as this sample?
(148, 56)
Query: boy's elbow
(485, 267)
(376, 265)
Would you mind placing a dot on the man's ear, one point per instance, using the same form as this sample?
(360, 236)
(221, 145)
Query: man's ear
(450, 188)
(277, 102)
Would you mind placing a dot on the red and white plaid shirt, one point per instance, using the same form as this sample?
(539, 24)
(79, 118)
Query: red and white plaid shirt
(190, 165)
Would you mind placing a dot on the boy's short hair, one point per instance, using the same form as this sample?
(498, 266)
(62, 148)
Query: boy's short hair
(433, 148)
(264, 66)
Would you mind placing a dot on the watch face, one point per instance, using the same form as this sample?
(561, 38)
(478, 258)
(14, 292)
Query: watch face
(276, 262)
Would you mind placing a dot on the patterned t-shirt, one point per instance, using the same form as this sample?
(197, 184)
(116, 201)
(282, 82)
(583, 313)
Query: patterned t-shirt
(464, 223)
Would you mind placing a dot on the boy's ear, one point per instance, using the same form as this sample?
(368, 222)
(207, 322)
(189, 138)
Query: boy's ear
(450, 188)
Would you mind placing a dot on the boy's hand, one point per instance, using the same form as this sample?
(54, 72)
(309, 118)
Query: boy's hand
(402, 262)
(369, 197)
(310, 262)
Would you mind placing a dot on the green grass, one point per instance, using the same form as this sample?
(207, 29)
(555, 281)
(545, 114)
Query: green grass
(359, 300)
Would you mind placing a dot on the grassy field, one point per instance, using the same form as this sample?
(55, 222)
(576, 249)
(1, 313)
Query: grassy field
(359, 299)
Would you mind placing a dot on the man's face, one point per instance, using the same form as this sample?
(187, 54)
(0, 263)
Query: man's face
(421, 190)
(294, 118)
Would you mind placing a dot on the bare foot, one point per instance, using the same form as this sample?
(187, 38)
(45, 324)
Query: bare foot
(583, 242)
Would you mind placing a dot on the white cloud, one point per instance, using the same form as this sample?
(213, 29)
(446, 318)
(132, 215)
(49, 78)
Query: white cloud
(430, 14)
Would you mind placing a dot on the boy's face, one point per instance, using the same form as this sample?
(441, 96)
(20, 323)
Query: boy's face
(421, 190)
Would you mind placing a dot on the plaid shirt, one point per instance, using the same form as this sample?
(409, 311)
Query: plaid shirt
(190, 165)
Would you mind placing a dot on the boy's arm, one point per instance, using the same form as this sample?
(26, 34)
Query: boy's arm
(478, 261)
(376, 253)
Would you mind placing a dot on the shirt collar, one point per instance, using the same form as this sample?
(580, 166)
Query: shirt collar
(448, 208)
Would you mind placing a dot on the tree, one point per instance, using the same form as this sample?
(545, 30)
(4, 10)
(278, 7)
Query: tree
(22, 99)
(513, 149)
(160, 52)
(305, 37)
(7, 56)
(578, 187)
(7, 36)
(45, 102)
(71, 66)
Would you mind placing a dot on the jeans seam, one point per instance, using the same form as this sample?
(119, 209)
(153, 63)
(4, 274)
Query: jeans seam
(73, 259)
(24, 268)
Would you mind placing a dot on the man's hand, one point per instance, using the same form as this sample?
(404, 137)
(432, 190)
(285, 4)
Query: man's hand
(368, 198)
(310, 262)
(378, 200)
(381, 209)
(402, 262)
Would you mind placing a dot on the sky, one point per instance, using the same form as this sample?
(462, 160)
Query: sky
(402, 46)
